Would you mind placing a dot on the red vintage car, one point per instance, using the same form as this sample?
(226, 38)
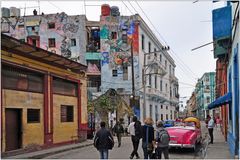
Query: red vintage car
(187, 135)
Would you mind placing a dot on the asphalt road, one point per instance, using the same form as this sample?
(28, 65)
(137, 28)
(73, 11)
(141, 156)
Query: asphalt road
(122, 152)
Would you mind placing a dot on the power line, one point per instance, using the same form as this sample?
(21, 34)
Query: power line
(127, 7)
(55, 6)
(184, 65)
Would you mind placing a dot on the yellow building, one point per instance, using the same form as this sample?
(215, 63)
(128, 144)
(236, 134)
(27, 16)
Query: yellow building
(43, 97)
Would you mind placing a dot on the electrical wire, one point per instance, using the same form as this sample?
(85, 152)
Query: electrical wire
(127, 7)
(55, 6)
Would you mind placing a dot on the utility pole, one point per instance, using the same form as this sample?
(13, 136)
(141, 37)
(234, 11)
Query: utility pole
(133, 81)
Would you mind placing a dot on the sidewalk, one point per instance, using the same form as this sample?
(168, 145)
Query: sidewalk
(50, 151)
(219, 149)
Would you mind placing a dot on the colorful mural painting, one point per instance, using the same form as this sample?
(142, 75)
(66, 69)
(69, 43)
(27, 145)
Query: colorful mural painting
(59, 32)
(112, 32)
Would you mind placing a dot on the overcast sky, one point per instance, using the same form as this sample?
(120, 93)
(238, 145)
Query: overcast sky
(182, 25)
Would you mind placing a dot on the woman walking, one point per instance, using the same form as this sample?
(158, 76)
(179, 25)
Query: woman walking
(148, 138)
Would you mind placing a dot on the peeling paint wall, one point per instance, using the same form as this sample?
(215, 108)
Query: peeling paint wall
(66, 28)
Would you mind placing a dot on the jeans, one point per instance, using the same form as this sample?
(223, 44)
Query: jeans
(135, 143)
(160, 150)
(119, 137)
(103, 153)
(147, 154)
(210, 131)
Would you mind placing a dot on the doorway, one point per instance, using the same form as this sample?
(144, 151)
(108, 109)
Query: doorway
(13, 129)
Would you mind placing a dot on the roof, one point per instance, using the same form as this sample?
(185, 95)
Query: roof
(18, 47)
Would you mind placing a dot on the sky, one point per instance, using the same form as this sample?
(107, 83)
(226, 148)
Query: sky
(182, 25)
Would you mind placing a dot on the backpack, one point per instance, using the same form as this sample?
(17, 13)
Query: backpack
(163, 138)
(138, 129)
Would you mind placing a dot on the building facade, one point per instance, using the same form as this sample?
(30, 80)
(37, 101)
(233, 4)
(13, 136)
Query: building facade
(205, 94)
(191, 105)
(44, 102)
(226, 39)
(122, 36)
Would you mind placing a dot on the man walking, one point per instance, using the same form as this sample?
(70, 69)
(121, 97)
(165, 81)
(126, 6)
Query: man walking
(210, 127)
(103, 141)
(135, 130)
(162, 141)
(118, 129)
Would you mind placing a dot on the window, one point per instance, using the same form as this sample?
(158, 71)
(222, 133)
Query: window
(171, 115)
(22, 40)
(166, 86)
(66, 113)
(51, 42)
(166, 107)
(143, 39)
(156, 113)
(34, 42)
(161, 106)
(208, 99)
(21, 26)
(150, 80)
(114, 73)
(125, 72)
(162, 117)
(170, 69)
(160, 85)
(150, 107)
(149, 47)
(207, 87)
(155, 54)
(165, 64)
(166, 116)
(73, 42)
(33, 28)
(160, 57)
(18, 79)
(64, 87)
(33, 115)
(170, 91)
(114, 35)
(207, 79)
(156, 81)
(51, 25)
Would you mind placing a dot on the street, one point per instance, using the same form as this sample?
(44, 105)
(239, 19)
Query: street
(122, 152)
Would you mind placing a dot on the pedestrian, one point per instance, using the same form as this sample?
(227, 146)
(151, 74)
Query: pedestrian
(103, 141)
(148, 138)
(162, 141)
(210, 127)
(218, 123)
(118, 130)
(135, 130)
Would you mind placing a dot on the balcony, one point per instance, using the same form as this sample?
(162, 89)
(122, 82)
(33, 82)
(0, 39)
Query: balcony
(173, 79)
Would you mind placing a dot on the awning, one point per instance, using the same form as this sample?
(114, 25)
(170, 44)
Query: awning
(227, 98)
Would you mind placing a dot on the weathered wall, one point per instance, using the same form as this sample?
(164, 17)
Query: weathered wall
(62, 131)
(32, 132)
(66, 28)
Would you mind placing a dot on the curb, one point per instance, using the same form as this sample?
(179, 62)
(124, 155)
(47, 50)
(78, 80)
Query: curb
(47, 153)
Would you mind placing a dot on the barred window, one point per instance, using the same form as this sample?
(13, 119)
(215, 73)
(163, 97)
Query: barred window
(64, 87)
(20, 79)
(66, 113)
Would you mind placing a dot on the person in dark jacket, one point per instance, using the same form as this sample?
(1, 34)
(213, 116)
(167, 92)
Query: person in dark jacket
(103, 141)
(148, 138)
(118, 129)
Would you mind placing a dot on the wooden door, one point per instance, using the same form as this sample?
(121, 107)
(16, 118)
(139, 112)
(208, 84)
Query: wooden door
(13, 129)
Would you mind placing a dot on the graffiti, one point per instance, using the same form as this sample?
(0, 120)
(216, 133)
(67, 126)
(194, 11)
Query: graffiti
(70, 27)
(5, 28)
(104, 32)
(105, 47)
(62, 16)
(105, 56)
(65, 48)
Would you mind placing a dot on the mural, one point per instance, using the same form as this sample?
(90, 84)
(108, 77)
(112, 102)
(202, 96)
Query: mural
(64, 29)
(112, 31)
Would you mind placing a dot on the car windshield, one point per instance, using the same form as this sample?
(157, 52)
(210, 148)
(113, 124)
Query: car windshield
(169, 122)
(192, 124)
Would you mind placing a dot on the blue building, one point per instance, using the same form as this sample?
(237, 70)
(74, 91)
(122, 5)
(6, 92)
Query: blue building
(226, 45)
